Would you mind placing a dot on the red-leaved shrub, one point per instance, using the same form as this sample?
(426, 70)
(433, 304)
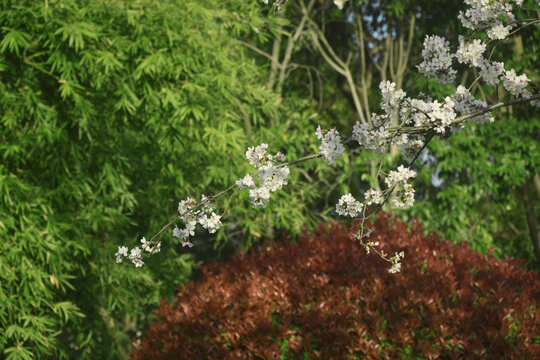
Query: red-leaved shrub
(323, 297)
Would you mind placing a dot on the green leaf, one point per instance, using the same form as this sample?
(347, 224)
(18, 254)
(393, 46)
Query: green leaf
(65, 309)
(18, 353)
(14, 40)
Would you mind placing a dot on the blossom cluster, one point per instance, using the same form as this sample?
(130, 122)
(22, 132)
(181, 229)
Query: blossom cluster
(438, 64)
(374, 138)
(414, 112)
(396, 265)
(377, 135)
(192, 214)
(331, 146)
(442, 114)
(482, 15)
(373, 196)
(391, 97)
(403, 191)
(397, 182)
(465, 103)
(271, 176)
(490, 16)
(136, 254)
(437, 60)
(515, 84)
(424, 112)
(470, 52)
(493, 72)
(490, 71)
(349, 206)
(398, 177)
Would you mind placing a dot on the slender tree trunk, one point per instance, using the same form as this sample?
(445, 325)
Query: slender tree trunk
(531, 218)
(290, 48)
(275, 61)
(537, 184)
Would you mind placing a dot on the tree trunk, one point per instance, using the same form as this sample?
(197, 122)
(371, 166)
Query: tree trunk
(531, 218)
(275, 61)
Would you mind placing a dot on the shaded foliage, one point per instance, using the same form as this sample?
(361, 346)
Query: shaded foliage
(323, 297)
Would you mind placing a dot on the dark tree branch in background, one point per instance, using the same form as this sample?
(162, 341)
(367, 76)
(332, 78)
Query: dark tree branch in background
(527, 196)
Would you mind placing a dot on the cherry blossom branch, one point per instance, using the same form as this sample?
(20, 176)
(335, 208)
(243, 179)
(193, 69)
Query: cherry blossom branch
(153, 245)
(463, 118)
(160, 232)
(429, 118)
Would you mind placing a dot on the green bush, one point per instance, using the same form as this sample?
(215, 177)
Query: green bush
(110, 113)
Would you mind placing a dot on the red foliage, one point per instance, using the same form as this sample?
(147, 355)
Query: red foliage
(324, 297)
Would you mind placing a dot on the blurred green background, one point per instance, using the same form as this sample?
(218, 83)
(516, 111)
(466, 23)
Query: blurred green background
(113, 111)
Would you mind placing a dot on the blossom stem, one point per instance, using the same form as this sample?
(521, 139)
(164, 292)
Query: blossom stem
(304, 158)
(460, 119)
(495, 106)
(164, 228)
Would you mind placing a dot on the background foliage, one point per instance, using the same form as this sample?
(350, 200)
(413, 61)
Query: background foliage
(113, 111)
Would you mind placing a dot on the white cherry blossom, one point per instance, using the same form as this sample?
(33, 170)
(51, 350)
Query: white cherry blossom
(331, 147)
(349, 206)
